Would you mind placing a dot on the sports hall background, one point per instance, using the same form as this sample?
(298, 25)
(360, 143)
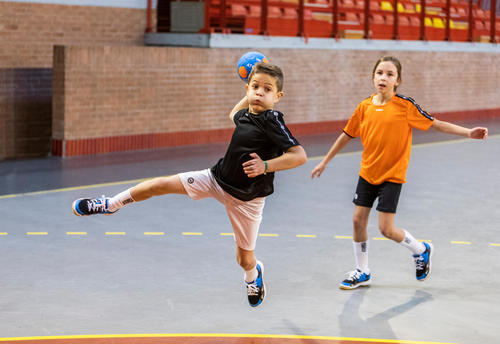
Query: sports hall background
(78, 80)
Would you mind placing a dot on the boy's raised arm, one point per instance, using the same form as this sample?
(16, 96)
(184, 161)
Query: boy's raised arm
(450, 128)
(242, 104)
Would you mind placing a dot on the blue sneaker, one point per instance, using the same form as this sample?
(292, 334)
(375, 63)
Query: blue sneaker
(89, 206)
(423, 262)
(256, 290)
(357, 278)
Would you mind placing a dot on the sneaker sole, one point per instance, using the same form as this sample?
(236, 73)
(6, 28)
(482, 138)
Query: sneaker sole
(430, 263)
(360, 284)
(73, 206)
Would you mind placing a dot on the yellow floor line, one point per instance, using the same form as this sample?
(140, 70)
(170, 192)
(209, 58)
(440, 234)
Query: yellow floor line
(343, 237)
(379, 238)
(221, 335)
(76, 233)
(37, 233)
(83, 187)
(306, 235)
(461, 242)
(493, 244)
(422, 240)
(116, 233)
(192, 233)
(227, 234)
(154, 233)
(268, 235)
(3, 233)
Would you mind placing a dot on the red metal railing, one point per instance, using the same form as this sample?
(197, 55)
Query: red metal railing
(218, 17)
(149, 17)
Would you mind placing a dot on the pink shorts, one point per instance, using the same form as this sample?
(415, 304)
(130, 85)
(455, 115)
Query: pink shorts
(244, 216)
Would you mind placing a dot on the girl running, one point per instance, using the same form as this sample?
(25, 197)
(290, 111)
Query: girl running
(384, 122)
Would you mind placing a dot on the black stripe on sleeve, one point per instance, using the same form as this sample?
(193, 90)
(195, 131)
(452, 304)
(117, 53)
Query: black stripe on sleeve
(284, 129)
(422, 112)
(352, 137)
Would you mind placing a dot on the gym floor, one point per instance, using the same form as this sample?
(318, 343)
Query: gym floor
(163, 271)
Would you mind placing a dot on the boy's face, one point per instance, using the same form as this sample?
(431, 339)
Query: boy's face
(262, 93)
(386, 77)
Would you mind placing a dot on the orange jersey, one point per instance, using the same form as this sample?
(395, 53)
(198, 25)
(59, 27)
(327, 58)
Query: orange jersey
(385, 132)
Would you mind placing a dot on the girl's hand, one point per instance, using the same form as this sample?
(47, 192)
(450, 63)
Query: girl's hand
(316, 172)
(478, 133)
(254, 167)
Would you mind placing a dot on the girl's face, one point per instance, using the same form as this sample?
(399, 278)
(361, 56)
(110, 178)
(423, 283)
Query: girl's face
(262, 93)
(386, 77)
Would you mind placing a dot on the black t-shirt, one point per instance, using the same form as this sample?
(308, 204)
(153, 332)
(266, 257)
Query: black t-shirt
(265, 134)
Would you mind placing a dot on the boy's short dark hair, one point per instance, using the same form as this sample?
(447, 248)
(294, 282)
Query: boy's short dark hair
(269, 69)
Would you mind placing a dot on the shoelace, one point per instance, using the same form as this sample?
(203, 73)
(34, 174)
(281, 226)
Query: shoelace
(353, 275)
(253, 289)
(96, 204)
(419, 262)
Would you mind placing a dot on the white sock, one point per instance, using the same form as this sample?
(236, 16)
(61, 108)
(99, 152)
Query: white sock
(118, 201)
(251, 275)
(361, 255)
(412, 244)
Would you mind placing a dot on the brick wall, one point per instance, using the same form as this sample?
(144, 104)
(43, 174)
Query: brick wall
(28, 32)
(120, 98)
(25, 112)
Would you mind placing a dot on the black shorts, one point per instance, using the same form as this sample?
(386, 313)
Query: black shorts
(387, 193)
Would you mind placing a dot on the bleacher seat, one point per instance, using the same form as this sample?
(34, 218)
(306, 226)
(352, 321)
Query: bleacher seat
(352, 17)
(374, 5)
(461, 12)
(404, 21)
(479, 25)
(415, 21)
(290, 13)
(378, 19)
(386, 6)
(409, 8)
(274, 12)
(238, 10)
(389, 19)
(359, 4)
(479, 13)
(438, 23)
(348, 3)
(308, 15)
(254, 11)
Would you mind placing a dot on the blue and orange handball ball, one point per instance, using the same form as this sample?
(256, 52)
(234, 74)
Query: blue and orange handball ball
(246, 63)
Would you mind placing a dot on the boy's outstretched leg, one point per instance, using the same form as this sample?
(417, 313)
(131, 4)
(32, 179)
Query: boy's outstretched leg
(254, 276)
(140, 192)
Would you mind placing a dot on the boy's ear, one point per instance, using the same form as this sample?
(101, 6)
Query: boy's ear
(279, 95)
